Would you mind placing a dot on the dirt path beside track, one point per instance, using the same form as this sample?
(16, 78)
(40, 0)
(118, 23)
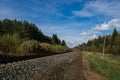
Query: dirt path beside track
(80, 70)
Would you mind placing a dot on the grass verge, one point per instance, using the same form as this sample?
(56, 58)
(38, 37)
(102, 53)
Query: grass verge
(104, 66)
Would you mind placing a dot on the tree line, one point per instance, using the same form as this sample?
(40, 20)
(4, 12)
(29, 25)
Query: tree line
(112, 43)
(22, 37)
(27, 30)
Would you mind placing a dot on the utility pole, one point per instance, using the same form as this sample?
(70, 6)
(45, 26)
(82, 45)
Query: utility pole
(104, 46)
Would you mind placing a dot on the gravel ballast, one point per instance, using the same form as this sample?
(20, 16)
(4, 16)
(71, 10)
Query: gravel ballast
(34, 69)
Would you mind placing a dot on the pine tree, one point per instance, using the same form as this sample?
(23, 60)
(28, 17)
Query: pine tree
(114, 35)
(89, 43)
(55, 39)
(63, 43)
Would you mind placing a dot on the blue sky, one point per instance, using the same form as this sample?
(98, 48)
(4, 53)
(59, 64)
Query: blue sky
(75, 21)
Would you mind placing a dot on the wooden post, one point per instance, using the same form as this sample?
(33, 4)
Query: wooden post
(104, 46)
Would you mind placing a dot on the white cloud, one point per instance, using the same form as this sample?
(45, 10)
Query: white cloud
(113, 23)
(103, 26)
(76, 40)
(89, 34)
(72, 43)
(84, 33)
(100, 7)
(94, 36)
(82, 13)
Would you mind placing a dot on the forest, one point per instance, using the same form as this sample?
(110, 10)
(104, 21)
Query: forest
(20, 38)
(111, 42)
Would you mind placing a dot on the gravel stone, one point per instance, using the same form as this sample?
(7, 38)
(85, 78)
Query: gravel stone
(34, 69)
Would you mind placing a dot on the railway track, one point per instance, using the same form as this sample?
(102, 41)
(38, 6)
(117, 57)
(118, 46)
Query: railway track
(10, 59)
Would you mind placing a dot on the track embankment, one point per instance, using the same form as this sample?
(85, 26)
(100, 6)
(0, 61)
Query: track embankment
(35, 69)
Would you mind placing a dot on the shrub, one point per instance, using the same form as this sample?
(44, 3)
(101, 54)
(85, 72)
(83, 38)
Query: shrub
(46, 47)
(61, 49)
(8, 43)
(54, 48)
(29, 47)
(58, 49)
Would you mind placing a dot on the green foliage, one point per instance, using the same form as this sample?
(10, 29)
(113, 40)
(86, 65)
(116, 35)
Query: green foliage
(114, 35)
(55, 39)
(23, 28)
(26, 30)
(112, 44)
(59, 49)
(24, 38)
(29, 47)
(54, 48)
(63, 43)
(115, 48)
(8, 43)
(46, 47)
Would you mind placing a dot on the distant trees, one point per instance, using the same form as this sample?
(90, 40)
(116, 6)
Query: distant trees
(24, 37)
(55, 39)
(26, 30)
(116, 47)
(23, 28)
(112, 44)
(114, 35)
(63, 43)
